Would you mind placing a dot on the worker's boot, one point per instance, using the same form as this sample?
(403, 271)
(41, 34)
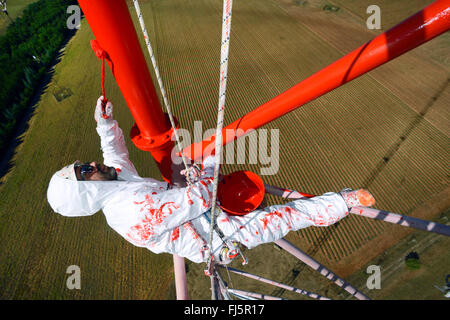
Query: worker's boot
(357, 198)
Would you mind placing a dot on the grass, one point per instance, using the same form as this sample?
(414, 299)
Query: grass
(339, 140)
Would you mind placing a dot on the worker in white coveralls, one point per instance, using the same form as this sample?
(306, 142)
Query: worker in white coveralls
(152, 214)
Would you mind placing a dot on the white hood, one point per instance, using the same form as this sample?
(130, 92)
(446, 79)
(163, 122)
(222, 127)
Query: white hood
(80, 198)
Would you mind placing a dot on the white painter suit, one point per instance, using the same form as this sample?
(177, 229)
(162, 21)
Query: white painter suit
(149, 213)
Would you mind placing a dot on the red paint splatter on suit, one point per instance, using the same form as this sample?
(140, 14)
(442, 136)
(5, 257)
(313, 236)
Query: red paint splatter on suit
(175, 234)
(204, 183)
(154, 215)
(269, 217)
(225, 220)
(189, 196)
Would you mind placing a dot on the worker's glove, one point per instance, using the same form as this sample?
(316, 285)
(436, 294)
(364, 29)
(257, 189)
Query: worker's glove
(103, 111)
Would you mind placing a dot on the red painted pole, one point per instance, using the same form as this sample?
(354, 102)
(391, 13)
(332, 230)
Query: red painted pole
(111, 23)
(409, 34)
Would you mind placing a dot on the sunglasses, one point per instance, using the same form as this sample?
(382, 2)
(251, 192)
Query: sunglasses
(84, 168)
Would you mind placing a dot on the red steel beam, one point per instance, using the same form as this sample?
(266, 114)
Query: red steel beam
(111, 23)
(425, 25)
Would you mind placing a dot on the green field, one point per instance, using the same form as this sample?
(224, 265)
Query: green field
(387, 131)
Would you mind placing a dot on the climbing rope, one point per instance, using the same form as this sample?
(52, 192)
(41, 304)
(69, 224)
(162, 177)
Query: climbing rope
(225, 45)
(189, 172)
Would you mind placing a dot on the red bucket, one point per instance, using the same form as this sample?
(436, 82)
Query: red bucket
(240, 192)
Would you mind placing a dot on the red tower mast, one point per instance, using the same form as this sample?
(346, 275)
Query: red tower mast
(111, 23)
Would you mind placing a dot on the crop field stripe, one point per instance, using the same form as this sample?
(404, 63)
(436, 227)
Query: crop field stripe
(363, 154)
(368, 230)
(369, 235)
(166, 51)
(332, 252)
(337, 243)
(308, 235)
(320, 240)
(435, 150)
(312, 151)
(338, 153)
(349, 231)
(416, 158)
(328, 251)
(350, 140)
(343, 238)
(295, 48)
(184, 75)
(367, 226)
(318, 137)
(276, 59)
(251, 47)
(362, 234)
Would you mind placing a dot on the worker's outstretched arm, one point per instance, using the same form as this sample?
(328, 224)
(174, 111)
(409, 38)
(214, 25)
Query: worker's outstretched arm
(115, 152)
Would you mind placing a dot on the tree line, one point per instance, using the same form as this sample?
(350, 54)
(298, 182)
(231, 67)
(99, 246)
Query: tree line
(27, 51)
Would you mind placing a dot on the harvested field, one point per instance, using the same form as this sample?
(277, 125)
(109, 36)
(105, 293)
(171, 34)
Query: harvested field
(387, 131)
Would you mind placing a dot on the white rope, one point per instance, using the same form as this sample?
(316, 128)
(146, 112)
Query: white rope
(161, 85)
(226, 28)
